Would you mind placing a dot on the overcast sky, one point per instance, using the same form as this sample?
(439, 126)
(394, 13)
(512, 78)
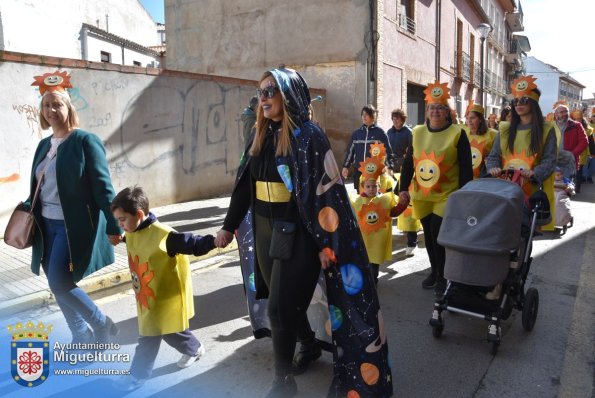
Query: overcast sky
(562, 34)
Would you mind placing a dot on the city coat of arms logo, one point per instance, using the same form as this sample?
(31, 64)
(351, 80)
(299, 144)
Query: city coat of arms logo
(30, 353)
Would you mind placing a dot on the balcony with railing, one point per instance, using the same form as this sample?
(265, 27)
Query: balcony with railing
(406, 23)
(515, 19)
(463, 66)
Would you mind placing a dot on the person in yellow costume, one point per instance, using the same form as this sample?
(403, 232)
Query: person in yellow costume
(374, 212)
(439, 163)
(481, 138)
(528, 143)
(162, 284)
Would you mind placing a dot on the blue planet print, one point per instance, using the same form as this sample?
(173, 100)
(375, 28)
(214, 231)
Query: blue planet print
(251, 282)
(353, 280)
(336, 317)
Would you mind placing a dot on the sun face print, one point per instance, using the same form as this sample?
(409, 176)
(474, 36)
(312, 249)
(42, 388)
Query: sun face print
(372, 217)
(371, 168)
(55, 81)
(428, 173)
(140, 281)
(378, 150)
(477, 150)
(520, 161)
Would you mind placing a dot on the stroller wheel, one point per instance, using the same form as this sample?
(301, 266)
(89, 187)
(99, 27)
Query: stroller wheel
(437, 331)
(530, 308)
(494, 347)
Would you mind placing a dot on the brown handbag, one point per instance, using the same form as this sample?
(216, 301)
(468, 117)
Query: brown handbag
(21, 225)
(20, 229)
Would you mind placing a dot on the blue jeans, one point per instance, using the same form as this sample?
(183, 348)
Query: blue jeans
(77, 307)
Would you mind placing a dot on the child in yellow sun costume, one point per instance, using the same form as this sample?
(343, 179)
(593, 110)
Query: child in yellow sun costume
(374, 213)
(162, 284)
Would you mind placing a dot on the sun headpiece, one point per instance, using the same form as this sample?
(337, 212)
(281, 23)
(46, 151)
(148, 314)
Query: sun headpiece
(52, 82)
(437, 93)
(576, 114)
(371, 168)
(560, 103)
(523, 87)
(473, 107)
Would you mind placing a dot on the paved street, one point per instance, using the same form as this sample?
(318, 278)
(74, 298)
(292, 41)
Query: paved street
(554, 360)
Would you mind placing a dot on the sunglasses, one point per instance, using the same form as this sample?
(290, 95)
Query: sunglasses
(520, 101)
(268, 92)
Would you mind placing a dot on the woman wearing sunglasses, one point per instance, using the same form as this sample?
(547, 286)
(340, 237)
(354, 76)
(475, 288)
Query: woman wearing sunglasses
(288, 174)
(528, 143)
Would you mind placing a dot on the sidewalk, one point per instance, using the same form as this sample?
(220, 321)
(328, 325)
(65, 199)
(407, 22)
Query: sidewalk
(24, 290)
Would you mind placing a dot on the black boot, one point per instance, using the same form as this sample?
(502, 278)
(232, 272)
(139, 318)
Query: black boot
(430, 281)
(308, 353)
(282, 387)
(103, 333)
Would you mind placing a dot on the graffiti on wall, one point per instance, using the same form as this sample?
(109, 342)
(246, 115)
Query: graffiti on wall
(31, 115)
(198, 124)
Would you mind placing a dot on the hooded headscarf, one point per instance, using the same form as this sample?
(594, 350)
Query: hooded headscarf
(295, 92)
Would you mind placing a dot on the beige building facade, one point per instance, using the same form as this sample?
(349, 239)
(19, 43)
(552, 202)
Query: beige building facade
(382, 52)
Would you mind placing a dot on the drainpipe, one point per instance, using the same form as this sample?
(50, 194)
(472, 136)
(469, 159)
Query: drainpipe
(438, 27)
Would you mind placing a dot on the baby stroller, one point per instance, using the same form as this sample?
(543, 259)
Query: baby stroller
(487, 232)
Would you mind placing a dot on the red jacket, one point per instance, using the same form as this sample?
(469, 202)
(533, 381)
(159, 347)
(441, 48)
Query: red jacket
(575, 139)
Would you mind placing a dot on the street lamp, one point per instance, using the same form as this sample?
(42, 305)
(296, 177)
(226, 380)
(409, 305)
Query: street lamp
(484, 30)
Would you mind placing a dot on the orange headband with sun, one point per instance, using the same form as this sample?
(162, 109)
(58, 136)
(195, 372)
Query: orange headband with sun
(523, 87)
(437, 93)
(560, 103)
(371, 168)
(52, 82)
(473, 107)
(378, 150)
(576, 115)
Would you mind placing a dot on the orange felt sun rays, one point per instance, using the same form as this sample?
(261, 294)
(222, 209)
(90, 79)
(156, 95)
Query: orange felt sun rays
(372, 217)
(378, 150)
(371, 168)
(523, 87)
(437, 93)
(50, 82)
(430, 172)
(140, 281)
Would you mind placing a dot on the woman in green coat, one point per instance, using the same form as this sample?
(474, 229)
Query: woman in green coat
(72, 210)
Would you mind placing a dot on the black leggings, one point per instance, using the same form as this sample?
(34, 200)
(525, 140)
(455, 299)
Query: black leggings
(291, 284)
(431, 225)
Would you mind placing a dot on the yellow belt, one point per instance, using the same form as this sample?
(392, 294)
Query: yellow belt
(272, 192)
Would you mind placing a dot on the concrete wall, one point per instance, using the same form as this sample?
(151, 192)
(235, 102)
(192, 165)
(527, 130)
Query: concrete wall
(176, 134)
(324, 40)
(53, 27)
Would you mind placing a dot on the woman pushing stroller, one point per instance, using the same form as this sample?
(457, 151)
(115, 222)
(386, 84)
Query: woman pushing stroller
(528, 143)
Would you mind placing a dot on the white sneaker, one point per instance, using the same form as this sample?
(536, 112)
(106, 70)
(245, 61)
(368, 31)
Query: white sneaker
(188, 360)
(409, 251)
(127, 383)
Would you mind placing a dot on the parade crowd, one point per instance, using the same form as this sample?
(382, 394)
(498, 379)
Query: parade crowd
(291, 203)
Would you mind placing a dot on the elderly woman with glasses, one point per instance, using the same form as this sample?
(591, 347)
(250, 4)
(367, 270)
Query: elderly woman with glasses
(288, 180)
(528, 143)
(439, 163)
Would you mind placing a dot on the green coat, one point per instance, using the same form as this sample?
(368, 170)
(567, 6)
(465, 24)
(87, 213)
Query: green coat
(86, 191)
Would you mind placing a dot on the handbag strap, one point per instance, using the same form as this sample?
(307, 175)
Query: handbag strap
(36, 194)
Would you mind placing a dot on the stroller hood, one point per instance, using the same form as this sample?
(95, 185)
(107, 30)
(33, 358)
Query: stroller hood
(483, 217)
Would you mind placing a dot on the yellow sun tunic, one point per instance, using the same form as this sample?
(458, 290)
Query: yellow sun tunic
(373, 216)
(585, 154)
(162, 284)
(521, 159)
(481, 146)
(405, 221)
(436, 169)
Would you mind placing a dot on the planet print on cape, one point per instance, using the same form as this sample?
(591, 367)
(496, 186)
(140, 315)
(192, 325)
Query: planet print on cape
(285, 175)
(251, 282)
(370, 373)
(353, 279)
(331, 172)
(328, 219)
(336, 317)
